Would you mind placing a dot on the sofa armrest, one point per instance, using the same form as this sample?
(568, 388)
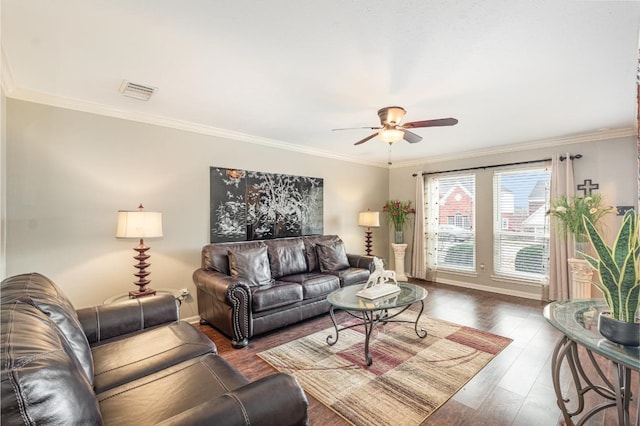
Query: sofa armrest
(102, 322)
(360, 261)
(273, 400)
(225, 302)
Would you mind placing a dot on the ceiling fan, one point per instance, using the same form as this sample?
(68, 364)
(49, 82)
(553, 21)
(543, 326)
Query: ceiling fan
(391, 130)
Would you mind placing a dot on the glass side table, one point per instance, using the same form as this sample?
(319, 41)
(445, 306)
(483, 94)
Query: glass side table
(578, 321)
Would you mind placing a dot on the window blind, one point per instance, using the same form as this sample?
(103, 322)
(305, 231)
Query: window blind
(521, 225)
(456, 224)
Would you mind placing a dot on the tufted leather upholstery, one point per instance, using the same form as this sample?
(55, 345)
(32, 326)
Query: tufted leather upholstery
(146, 366)
(303, 271)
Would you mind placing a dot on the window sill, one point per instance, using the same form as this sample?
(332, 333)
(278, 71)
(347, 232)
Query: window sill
(458, 272)
(518, 280)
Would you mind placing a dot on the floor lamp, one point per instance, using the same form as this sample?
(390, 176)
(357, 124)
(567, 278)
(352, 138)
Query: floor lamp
(140, 224)
(368, 220)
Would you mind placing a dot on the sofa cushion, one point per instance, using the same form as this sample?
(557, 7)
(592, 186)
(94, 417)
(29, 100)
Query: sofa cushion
(315, 284)
(274, 296)
(332, 256)
(39, 291)
(286, 257)
(138, 355)
(42, 381)
(168, 392)
(351, 276)
(251, 265)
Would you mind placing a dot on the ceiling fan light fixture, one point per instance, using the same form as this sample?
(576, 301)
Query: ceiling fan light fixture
(391, 135)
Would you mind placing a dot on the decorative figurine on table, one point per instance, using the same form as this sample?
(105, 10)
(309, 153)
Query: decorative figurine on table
(378, 283)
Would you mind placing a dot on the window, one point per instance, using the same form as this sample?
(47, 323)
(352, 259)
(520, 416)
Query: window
(521, 225)
(456, 233)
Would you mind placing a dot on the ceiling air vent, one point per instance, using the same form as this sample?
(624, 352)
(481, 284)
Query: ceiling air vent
(137, 91)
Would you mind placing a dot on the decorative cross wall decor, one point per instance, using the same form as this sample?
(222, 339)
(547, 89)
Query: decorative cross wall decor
(587, 186)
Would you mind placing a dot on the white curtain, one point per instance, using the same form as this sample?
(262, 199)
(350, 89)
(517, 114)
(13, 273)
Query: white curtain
(418, 261)
(432, 219)
(560, 246)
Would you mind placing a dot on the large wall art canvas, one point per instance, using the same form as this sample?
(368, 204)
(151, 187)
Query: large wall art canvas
(247, 205)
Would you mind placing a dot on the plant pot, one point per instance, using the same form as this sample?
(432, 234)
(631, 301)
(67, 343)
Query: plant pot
(621, 332)
(399, 237)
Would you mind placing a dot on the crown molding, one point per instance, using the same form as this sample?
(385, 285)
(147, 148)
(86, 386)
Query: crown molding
(6, 76)
(100, 109)
(524, 146)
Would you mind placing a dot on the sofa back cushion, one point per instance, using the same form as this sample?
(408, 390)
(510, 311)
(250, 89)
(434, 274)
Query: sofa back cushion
(42, 293)
(310, 249)
(286, 257)
(215, 256)
(42, 381)
(251, 265)
(332, 256)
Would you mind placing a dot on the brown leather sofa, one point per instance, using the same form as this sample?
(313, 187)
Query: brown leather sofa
(251, 287)
(127, 363)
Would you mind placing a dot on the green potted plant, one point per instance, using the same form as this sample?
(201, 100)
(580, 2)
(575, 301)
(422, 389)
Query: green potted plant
(399, 214)
(618, 269)
(569, 214)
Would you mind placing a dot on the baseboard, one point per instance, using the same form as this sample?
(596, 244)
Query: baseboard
(191, 320)
(504, 291)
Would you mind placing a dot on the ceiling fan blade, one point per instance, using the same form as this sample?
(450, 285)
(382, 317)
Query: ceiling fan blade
(430, 123)
(366, 139)
(354, 128)
(411, 137)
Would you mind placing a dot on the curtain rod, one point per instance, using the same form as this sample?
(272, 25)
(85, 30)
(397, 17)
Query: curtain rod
(562, 158)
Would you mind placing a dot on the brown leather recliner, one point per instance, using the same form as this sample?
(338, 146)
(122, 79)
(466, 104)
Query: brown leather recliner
(126, 363)
(251, 287)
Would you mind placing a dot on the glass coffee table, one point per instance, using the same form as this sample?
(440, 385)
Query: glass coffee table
(372, 312)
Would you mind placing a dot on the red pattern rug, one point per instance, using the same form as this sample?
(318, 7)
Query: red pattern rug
(409, 378)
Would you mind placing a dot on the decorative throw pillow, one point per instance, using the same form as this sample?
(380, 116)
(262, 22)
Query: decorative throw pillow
(332, 256)
(251, 265)
(287, 258)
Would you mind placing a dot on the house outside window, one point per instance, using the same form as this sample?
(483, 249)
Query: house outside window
(521, 225)
(456, 230)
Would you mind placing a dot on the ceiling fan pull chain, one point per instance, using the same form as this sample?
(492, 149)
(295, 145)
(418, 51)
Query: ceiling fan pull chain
(389, 160)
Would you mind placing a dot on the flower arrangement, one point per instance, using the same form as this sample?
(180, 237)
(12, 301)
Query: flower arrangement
(399, 213)
(570, 213)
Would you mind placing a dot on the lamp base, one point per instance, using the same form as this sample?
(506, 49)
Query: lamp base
(367, 242)
(145, 292)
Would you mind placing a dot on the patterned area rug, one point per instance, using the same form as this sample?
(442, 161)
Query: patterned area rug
(409, 378)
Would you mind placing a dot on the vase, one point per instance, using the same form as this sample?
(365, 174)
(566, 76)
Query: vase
(399, 237)
(621, 332)
(581, 245)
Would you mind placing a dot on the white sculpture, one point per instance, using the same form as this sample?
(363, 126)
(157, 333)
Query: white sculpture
(377, 285)
(379, 275)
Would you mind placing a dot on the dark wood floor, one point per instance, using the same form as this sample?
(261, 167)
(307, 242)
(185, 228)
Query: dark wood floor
(515, 388)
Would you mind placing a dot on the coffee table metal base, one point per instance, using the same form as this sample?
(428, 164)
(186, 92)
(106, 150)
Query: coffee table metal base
(370, 319)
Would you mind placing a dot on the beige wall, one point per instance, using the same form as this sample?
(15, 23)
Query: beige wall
(611, 163)
(69, 172)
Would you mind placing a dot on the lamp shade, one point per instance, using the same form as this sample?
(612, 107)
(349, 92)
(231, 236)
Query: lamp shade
(369, 219)
(391, 135)
(139, 224)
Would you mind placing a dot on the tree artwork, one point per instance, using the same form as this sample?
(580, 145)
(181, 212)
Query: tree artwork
(247, 205)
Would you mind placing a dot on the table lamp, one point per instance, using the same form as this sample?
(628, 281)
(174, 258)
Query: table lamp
(368, 220)
(140, 224)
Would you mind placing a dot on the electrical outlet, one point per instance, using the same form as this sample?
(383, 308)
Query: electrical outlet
(184, 292)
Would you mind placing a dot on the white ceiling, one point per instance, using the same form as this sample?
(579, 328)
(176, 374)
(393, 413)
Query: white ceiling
(286, 72)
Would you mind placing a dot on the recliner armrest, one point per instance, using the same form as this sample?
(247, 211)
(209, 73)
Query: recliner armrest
(276, 400)
(102, 322)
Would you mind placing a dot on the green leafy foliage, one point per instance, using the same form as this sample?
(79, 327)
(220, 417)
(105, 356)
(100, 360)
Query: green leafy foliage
(618, 267)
